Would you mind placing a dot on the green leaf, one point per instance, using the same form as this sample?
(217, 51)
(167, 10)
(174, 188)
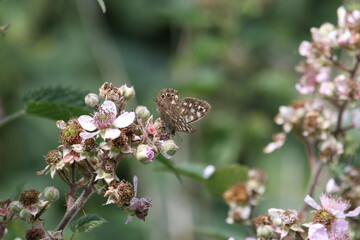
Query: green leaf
(225, 177)
(194, 171)
(56, 103)
(169, 165)
(86, 223)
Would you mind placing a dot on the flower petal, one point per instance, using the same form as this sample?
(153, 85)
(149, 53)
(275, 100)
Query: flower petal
(109, 107)
(353, 213)
(86, 135)
(135, 181)
(311, 202)
(318, 232)
(340, 225)
(112, 133)
(124, 119)
(87, 122)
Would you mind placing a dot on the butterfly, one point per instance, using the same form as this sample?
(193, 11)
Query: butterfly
(176, 113)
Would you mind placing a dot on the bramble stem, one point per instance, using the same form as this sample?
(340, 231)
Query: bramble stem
(337, 64)
(77, 206)
(313, 182)
(11, 117)
(338, 129)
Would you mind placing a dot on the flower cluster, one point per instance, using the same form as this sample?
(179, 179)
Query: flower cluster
(243, 196)
(29, 208)
(320, 58)
(331, 87)
(278, 224)
(93, 145)
(330, 83)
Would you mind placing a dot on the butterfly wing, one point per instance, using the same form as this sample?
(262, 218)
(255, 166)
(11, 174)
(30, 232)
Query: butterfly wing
(193, 109)
(176, 122)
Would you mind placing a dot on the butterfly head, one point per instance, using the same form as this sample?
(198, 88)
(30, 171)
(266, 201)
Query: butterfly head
(167, 96)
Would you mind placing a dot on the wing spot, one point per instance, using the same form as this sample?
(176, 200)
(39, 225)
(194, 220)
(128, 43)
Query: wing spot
(190, 118)
(185, 103)
(198, 114)
(190, 104)
(192, 110)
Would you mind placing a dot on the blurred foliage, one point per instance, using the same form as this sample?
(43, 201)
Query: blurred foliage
(237, 55)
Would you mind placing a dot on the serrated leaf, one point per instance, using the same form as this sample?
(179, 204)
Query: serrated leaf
(57, 103)
(225, 177)
(169, 165)
(86, 223)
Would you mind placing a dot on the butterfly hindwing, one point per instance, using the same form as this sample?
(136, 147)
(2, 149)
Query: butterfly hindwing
(193, 109)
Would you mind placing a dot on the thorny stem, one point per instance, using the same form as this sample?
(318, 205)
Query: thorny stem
(2, 229)
(71, 195)
(11, 117)
(338, 129)
(89, 165)
(355, 68)
(77, 206)
(4, 224)
(310, 153)
(313, 182)
(337, 64)
(309, 149)
(298, 236)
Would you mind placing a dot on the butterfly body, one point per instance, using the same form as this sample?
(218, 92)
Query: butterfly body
(177, 114)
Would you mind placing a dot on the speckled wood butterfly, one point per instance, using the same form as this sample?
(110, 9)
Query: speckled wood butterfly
(177, 114)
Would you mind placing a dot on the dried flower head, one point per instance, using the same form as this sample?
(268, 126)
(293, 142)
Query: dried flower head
(109, 92)
(70, 134)
(29, 197)
(35, 234)
(236, 194)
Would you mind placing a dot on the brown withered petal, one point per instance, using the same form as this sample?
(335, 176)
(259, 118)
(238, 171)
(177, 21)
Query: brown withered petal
(236, 193)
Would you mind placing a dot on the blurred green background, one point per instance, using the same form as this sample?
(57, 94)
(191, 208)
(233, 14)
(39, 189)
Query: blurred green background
(239, 55)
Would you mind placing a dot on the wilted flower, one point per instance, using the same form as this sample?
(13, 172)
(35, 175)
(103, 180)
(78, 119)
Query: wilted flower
(278, 142)
(286, 221)
(330, 149)
(289, 116)
(29, 200)
(138, 207)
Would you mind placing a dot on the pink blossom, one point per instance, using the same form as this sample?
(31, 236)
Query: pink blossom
(312, 76)
(305, 49)
(105, 119)
(326, 88)
(339, 227)
(334, 205)
(325, 35)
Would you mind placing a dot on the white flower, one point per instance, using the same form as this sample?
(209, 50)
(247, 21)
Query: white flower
(105, 119)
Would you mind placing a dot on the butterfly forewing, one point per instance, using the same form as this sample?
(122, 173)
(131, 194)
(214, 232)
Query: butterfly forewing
(177, 114)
